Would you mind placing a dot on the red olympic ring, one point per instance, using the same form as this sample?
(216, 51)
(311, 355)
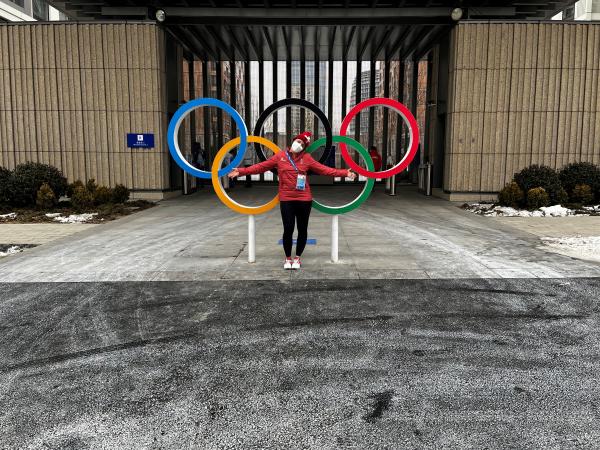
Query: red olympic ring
(409, 119)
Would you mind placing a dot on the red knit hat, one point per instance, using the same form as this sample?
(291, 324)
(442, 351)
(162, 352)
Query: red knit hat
(305, 137)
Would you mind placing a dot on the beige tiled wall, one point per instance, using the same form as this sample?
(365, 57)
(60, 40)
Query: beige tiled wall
(71, 92)
(520, 94)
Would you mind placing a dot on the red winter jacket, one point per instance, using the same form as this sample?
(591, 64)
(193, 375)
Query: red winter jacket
(376, 157)
(287, 174)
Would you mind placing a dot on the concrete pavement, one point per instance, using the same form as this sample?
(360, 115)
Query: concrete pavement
(547, 227)
(197, 238)
(39, 233)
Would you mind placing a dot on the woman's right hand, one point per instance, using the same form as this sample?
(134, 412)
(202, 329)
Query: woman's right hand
(234, 173)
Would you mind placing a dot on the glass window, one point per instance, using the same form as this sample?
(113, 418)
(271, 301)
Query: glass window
(20, 3)
(40, 10)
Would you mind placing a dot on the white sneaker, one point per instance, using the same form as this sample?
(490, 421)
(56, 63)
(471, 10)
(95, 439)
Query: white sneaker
(287, 265)
(296, 264)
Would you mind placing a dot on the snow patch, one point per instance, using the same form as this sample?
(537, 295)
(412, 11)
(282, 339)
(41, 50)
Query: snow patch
(76, 218)
(8, 216)
(11, 251)
(582, 247)
(491, 210)
(557, 211)
(53, 215)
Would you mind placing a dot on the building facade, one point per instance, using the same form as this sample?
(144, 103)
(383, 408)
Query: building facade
(365, 92)
(70, 99)
(491, 97)
(299, 116)
(519, 94)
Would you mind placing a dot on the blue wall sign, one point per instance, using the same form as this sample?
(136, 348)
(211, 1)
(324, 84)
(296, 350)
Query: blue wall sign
(135, 140)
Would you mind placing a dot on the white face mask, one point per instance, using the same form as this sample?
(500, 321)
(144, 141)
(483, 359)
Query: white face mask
(297, 147)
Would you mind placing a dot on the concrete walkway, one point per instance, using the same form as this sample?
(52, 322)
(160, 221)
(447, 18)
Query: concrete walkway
(554, 226)
(39, 233)
(198, 238)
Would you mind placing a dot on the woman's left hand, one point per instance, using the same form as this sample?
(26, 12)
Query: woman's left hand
(351, 175)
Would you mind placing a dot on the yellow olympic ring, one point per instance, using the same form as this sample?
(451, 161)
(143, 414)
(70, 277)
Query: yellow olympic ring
(216, 181)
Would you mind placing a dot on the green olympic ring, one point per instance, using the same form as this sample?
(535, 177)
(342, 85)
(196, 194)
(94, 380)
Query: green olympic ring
(368, 185)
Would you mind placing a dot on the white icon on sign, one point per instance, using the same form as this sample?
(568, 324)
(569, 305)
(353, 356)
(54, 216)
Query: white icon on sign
(140, 137)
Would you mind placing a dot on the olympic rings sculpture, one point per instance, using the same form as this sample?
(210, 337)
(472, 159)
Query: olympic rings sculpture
(242, 141)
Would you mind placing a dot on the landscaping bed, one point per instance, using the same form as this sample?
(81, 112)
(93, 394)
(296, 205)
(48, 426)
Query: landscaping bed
(540, 191)
(495, 210)
(39, 193)
(64, 212)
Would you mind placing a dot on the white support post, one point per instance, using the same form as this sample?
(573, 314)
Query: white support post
(334, 238)
(251, 238)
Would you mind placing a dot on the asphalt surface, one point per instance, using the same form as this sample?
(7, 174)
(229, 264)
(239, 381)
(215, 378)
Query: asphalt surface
(502, 363)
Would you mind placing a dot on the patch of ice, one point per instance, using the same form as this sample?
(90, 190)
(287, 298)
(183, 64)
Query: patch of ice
(11, 250)
(583, 247)
(8, 216)
(76, 218)
(556, 211)
(53, 215)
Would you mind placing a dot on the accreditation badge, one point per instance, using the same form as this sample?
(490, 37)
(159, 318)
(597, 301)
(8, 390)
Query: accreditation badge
(301, 182)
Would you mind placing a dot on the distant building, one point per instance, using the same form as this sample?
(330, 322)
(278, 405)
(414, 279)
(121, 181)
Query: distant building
(587, 10)
(364, 94)
(582, 10)
(309, 94)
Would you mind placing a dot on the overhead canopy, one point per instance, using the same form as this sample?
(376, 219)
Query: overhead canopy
(309, 29)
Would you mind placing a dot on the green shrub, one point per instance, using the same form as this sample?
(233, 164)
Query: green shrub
(537, 197)
(103, 195)
(5, 184)
(581, 173)
(71, 187)
(82, 199)
(91, 185)
(536, 176)
(120, 194)
(511, 195)
(27, 179)
(582, 193)
(562, 197)
(45, 198)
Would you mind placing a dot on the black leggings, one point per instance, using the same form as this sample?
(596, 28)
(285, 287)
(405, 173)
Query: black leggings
(291, 212)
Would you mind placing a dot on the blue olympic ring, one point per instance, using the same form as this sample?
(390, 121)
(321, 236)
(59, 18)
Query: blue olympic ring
(175, 123)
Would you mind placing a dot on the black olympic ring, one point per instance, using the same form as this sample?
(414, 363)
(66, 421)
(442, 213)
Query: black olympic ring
(303, 104)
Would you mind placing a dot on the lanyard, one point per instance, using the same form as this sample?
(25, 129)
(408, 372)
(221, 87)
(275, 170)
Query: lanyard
(292, 161)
